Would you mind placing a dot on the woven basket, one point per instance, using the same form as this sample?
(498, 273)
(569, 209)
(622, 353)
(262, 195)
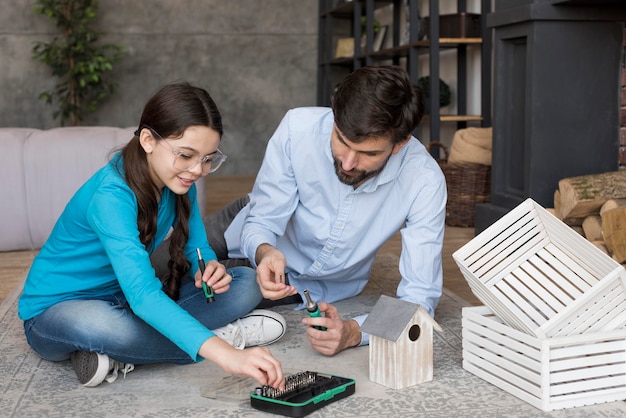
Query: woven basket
(468, 184)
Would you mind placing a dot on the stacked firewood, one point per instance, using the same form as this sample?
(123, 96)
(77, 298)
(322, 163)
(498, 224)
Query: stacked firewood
(595, 206)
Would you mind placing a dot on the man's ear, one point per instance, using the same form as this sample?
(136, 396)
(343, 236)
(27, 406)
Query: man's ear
(397, 147)
(146, 140)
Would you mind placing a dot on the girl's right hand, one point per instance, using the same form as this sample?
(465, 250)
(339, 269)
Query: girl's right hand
(215, 275)
(255, 362)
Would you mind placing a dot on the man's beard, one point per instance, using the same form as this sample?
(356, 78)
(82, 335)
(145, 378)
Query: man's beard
(358, 176)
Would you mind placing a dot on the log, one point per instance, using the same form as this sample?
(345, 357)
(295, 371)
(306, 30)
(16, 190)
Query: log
(584, 195)
(592, 227)
(614, 231)
(612, 204)
(557, 211)
(557, 203)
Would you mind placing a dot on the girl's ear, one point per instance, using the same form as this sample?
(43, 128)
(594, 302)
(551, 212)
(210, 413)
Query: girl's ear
(146, 140)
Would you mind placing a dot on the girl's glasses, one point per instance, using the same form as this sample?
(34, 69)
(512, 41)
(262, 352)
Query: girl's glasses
(185, 162)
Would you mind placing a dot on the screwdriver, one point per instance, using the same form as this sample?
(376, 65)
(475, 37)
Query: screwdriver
(312, 309)
(208, 290)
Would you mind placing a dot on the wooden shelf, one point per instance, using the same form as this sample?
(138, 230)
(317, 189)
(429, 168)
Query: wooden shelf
(346, 10)
(450, 42)
(456, 118)
(344, 20)
(403, 50)
(460, 118)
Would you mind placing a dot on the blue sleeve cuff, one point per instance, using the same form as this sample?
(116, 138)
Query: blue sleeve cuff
(365, 338)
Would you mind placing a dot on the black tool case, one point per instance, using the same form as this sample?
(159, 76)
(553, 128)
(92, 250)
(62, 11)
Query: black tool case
(304, 393)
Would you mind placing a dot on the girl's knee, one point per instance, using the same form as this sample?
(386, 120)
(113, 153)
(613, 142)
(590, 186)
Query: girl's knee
(245, 286)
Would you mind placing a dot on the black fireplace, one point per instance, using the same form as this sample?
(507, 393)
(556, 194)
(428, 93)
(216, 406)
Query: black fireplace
(557, 79)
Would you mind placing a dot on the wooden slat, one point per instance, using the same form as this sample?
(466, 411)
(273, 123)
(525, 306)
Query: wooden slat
(552, 267)
(566, 372)
(486, 240)
(545, 302)
(588, 385)
(498, 378)
(590, 361)
(507, 259)
(519, 306)
(502, 242)
(553, 254)
(605, 311)
(591, 302)
(501, 344)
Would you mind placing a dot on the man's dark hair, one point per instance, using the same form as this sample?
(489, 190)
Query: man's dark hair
(377, 102)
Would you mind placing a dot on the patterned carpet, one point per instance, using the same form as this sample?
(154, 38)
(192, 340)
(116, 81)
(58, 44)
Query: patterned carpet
(31, 387)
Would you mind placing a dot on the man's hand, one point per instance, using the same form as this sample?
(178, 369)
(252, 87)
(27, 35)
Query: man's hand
(339, 334)
(270, 273)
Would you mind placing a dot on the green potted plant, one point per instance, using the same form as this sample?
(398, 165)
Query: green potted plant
(375, 24)
(77, 58)
(445, 96)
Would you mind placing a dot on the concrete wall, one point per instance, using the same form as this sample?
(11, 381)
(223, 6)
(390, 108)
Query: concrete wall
(256, 58)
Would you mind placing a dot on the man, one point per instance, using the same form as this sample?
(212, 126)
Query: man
(334, 186)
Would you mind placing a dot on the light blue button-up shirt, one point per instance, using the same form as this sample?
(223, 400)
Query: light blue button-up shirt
(328, 231)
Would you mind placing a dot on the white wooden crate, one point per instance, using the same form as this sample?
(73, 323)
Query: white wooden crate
(552, 373)
(541, 277)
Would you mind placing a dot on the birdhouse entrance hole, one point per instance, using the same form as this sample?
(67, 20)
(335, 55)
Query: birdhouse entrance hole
(414, 332)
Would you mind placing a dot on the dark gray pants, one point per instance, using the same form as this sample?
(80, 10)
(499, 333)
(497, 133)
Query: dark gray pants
(215, 225)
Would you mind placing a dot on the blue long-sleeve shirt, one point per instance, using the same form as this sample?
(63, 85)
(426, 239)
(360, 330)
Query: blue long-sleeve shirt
(94, 250)
(328, 231)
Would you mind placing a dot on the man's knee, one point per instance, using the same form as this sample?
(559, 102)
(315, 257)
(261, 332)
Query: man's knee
(217, 223)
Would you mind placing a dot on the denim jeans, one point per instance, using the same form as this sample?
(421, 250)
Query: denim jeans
(109, 326)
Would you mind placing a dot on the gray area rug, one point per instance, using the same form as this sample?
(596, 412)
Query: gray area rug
(31, 387)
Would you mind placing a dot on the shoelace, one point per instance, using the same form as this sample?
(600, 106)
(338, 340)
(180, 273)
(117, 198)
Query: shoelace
(117, 366)
(249, 334)
(233, 334)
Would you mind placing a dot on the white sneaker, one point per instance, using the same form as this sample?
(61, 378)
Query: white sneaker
(259, 327)
(93, 368)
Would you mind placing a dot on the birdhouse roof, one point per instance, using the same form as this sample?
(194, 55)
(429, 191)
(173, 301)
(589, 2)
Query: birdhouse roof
(390, 316)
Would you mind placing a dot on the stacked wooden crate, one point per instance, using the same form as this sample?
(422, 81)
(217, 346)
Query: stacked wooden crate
(553, 331)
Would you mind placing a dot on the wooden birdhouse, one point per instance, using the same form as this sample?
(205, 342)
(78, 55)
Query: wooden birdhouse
(401, 343)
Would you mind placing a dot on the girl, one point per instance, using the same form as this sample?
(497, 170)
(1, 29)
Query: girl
(92, 295)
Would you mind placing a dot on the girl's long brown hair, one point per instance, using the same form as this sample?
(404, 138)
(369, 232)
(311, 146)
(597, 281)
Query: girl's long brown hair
(169, 112)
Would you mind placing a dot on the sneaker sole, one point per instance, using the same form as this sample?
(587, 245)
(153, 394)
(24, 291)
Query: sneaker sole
(90, 369)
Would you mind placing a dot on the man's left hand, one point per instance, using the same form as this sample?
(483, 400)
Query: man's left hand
(339, 334)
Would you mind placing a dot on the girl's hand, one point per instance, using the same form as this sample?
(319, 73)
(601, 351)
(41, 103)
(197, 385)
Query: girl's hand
(215, 276)
(256, 362)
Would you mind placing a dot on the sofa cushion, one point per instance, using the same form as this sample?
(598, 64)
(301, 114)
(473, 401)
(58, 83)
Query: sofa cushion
(58, 162)
(41, 171)
(15, 232)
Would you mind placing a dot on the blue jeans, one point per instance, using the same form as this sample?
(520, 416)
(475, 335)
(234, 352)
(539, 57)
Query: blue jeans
(109, 326)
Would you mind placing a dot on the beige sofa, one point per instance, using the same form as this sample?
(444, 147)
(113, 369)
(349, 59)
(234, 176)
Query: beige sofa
(41, 169)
